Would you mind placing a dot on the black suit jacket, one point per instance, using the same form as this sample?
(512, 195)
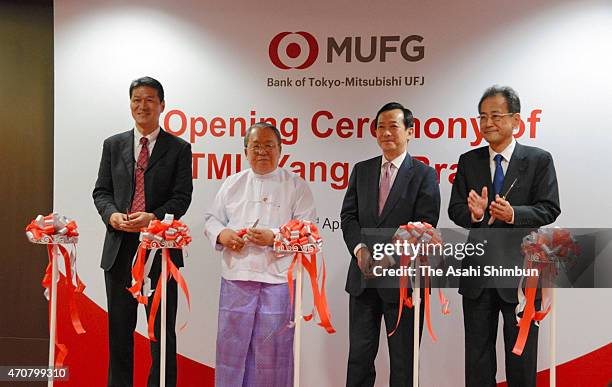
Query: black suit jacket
(168, 184)
(534, 198)
(415, 196)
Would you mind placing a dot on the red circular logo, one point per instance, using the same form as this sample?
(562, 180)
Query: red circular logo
(286, 45)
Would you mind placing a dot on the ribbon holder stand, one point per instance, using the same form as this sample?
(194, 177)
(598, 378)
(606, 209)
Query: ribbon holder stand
(54, 241)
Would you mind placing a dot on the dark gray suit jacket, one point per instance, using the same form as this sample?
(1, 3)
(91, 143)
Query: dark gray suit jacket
(168, 184)
(534, 198)
(415, 196)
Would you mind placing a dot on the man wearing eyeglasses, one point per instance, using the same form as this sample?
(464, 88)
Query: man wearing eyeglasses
(500, 191)
(254, 343)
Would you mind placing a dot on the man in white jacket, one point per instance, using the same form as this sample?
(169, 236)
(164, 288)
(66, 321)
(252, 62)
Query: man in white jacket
(254, 344)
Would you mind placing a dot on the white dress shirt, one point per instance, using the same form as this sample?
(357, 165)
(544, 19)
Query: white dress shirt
(506, 156)
(152, 137)
(397, 163)
(245, 197)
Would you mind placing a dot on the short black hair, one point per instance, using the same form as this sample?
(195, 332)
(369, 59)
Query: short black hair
(149, 82)
(262, 124)
(408, 118)
(509, 94)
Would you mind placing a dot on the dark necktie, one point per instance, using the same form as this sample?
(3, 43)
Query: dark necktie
(138, 204)
(498, 178)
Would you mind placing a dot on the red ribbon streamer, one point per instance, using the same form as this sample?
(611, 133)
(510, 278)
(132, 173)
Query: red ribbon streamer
(299, 233)
(44, 229)
(138, 275)
(175, 273)
(529, 314)
(404, 300)
(319, 296)
(73, 292)
(543, 251)
(154, 236)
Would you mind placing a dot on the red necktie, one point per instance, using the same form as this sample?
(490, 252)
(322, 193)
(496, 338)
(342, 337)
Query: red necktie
(138, 203)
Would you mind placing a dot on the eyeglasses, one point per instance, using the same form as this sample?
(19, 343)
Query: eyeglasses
(258, 148)
(494, 117)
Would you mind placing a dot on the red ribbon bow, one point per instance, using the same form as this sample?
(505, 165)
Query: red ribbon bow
(165, 234)
(53, 230)
(543, 250)
(302, 237)
(417, 233)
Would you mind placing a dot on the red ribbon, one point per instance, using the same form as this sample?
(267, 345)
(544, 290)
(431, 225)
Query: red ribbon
(165, 231)
(73, 292)
(543, 251)
(51, 225)
(404, 298)
(414, 232)
(157, 235)
(305, 235)
(44, 229)
(174, 272)
(138, 275)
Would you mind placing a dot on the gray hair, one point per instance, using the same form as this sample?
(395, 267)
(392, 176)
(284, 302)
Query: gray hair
(509, 94)
(262, 124)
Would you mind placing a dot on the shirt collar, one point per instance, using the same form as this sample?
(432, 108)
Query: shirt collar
(151, 136)
(506, 153)
(268, 175)
(397, 162)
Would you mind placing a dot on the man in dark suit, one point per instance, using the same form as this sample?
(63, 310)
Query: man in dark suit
(484, 175)
(384, 192)
(144, 174)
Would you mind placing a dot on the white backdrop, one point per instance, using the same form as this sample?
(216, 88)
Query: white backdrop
(213, 60)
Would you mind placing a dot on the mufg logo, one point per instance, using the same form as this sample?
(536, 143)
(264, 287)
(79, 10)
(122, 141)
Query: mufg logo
(299, 50)
(293, 50)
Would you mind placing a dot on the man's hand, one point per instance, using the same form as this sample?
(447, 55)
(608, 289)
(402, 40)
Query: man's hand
(260, 236)
(365, 262)
(117, 221)
(230, 240)
(137, 220)
(478, 203)
(385, 263)
(501, 210)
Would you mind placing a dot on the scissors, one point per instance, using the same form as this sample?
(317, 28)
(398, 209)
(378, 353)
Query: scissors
(492, 219)
(244, 237)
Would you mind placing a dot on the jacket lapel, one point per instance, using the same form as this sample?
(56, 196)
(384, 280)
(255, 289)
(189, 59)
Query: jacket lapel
(127, 152)
(402, 179)
(374, 188)
(482, 171)
(516, 166)
(161, 147)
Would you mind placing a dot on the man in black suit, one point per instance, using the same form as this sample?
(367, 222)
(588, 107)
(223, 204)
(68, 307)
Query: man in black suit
(384, 192)
(144, 174)
(484, 175)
